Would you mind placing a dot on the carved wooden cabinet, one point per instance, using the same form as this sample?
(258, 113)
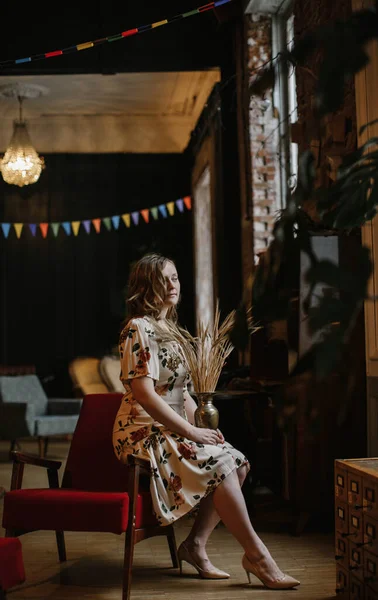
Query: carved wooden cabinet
(356, 528)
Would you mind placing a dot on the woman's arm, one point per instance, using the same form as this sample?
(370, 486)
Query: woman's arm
(144, 393)
(190, 407)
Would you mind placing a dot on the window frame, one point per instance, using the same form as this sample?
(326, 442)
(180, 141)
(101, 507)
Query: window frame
(284, 98)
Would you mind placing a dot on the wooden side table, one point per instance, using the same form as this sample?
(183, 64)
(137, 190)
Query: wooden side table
(247, 420)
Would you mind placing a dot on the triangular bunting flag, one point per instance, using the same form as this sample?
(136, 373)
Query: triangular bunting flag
(115, 221)
(163, 210)
(5, 227)
(145, 214)
(55, 228)
(154, 212)
(75, 227)
(44, 227)
(126, 219)
(97, 224)
(87, 226)
(180, 204)
(107, 222)
(33, 228)
(67, 227)
(18, 228)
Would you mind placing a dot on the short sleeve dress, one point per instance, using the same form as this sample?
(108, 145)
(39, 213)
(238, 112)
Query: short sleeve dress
(183, 471)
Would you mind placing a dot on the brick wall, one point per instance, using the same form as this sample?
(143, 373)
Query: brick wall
(335, 137)
(263, 136)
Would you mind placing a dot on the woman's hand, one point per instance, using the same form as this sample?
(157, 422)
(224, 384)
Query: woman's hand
(201, 435)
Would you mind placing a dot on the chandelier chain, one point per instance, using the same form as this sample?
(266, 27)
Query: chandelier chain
(19, 98)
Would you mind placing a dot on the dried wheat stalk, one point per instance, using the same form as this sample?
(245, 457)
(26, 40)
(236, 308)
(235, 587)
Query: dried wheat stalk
(206, 353)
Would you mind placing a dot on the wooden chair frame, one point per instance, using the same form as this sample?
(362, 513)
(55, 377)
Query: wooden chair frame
(136, 466)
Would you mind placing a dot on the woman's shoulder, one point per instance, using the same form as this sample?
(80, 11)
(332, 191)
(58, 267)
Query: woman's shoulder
(138, 324)
(139, 321)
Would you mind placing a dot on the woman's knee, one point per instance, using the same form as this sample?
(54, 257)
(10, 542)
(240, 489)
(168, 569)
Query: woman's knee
(242, 474)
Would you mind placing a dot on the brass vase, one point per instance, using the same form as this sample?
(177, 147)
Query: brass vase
(206, 414)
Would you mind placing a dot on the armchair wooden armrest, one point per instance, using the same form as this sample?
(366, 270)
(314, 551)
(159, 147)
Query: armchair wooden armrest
(20, 459)
(31, 459)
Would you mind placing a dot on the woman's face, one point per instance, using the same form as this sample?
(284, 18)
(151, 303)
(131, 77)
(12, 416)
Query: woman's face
(173, 285)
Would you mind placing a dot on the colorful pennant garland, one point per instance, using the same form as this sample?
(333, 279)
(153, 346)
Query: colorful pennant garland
(116, 37)
(103, 223)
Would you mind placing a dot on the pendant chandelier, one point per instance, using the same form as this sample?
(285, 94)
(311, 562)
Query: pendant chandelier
(21, 165)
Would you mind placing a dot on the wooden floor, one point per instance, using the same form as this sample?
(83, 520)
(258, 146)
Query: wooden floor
(94, 566)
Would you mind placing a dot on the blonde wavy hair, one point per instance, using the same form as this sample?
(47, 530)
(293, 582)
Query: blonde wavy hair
(147, 288)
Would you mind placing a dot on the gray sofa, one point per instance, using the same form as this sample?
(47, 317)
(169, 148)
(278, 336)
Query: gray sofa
(26, 411)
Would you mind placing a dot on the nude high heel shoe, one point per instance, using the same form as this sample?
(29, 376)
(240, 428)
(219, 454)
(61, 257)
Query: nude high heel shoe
(184, 554)
(284, 583)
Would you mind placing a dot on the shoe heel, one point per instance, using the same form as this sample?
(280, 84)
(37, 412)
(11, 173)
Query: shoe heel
(249, 576)
(180, 565)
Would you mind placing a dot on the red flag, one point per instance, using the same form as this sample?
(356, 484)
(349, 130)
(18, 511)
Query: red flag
(97, 224)
(145, 214)
(188, 202)
(44, 229)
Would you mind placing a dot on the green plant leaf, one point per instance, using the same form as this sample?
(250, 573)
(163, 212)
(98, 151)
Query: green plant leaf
(306, 170)
(328, 353)
(364, 127)
(329, 310)
(262, 83)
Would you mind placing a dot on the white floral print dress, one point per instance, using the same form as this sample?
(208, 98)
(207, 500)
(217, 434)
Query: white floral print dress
(183, 471)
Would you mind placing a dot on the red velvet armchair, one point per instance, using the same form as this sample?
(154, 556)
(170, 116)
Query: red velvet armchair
(98, 493)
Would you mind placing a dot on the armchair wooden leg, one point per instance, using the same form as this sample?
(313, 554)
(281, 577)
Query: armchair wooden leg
(10, 533)
(14, 444)
(128, 564)
(172, 546)
(61, 545)
(42, 445)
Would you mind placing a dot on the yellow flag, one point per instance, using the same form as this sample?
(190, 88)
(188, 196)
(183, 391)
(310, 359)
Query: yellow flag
(171, 208)
(18, 228)
(159, 23)
(126, 219)
(75, 226)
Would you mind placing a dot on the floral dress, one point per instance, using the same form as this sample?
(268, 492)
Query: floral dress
(183, 471)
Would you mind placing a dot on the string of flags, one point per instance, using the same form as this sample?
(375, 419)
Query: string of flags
(101, 223)
(116, 37)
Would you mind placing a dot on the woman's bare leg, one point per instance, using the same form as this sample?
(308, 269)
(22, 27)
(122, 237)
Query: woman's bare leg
(230, 505)
(206, 520)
